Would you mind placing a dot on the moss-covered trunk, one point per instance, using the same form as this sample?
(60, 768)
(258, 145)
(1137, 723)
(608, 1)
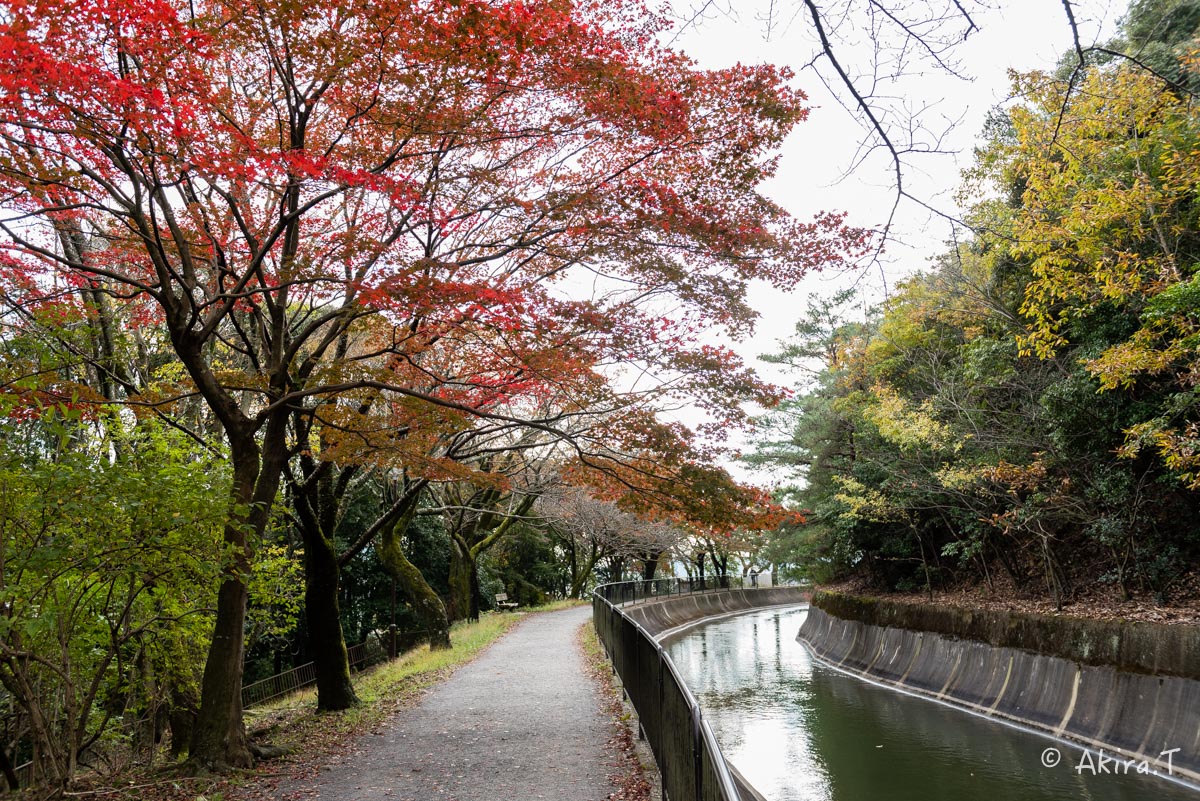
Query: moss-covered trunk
(218, 737)
(581, 574)
(421, 597)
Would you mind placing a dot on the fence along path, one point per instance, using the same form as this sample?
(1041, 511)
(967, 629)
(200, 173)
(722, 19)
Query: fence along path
(298, 677)
(689, 759)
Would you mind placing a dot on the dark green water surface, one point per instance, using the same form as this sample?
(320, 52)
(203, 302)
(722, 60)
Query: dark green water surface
(801, 731)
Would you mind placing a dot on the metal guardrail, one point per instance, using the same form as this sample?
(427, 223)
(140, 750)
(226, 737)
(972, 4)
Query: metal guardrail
(297, 678)
(689, 759)
(624, 592)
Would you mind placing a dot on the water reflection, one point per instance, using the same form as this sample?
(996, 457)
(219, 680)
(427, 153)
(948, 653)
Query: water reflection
(800, 731)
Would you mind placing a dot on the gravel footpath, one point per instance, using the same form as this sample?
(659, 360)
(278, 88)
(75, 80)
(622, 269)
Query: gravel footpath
(519, 723)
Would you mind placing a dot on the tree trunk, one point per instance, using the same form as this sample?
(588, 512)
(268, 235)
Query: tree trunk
(581, 575)
(476, 592)
(219, 738)
(467, 544)
(720, 569)
(649, 567)
(10, 775)
(331, 663)
(420, 595)
(1055, 578)
(573, 565)
(460, 580)
(924, 565)
(616, 568)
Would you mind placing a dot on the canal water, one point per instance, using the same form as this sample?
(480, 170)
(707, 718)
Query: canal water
(799, 730)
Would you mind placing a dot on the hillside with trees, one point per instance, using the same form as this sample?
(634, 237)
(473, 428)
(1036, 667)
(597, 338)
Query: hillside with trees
(1023, 415)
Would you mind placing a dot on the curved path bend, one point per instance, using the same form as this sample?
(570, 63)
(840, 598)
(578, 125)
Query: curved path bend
(521, 722)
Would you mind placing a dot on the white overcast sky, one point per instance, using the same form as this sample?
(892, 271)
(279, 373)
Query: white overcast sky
(1020, 34)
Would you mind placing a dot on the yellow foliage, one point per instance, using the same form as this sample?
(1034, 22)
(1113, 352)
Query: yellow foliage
(1107, 215)
(957, 477)
(907, 425)
(1120, 365)
(866, 503)
(1109, 182)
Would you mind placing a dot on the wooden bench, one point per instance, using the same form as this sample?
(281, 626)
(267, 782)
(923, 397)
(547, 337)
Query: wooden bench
(502, 601)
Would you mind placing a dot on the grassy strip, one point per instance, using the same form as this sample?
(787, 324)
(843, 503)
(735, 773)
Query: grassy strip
(291, 721)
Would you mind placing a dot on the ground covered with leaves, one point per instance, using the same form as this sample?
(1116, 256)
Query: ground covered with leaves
(1096, 600)
(630, 778)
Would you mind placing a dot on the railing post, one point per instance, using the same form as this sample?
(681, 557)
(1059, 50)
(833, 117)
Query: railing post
(662, 714)
(612, 625)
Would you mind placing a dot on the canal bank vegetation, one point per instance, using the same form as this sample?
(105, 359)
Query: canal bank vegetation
(1021, 421)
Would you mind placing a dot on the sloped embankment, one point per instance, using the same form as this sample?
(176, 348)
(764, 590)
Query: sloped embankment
(1128, 688)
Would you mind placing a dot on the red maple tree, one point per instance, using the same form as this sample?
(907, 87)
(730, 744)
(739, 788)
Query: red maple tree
(405, 197)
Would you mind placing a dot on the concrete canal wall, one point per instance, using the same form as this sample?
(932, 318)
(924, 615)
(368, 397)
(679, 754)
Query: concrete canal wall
(1127, 688)
(663, 614)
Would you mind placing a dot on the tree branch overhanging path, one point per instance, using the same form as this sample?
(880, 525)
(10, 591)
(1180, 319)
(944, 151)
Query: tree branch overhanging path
(426, 266)
(862, 51)
(867, 53)
(346, 230)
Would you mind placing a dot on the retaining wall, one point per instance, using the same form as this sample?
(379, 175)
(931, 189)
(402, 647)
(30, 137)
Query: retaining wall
(660, 615)
(1136, 714)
